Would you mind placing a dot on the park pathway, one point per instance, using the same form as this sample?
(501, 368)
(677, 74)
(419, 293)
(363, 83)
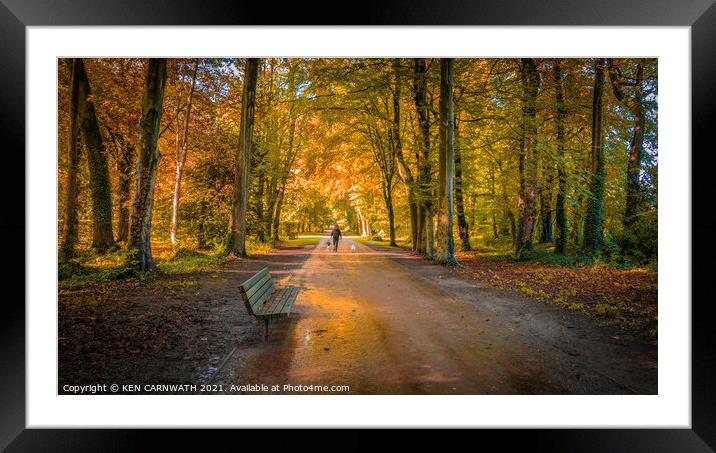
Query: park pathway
(367, 320)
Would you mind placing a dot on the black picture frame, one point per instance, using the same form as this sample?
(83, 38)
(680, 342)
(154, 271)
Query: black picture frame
(16, 15)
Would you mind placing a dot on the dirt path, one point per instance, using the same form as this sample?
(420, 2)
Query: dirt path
(384, 321)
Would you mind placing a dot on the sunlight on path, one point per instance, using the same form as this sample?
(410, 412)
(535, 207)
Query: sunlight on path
(362, 320)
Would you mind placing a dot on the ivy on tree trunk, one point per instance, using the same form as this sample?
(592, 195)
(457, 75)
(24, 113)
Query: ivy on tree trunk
(560, 244)
(102, 237)
(593, 235)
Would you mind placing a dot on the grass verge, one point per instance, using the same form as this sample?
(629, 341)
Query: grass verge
(90, 268)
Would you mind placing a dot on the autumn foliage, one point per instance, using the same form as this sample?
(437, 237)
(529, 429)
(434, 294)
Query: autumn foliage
(557, 155)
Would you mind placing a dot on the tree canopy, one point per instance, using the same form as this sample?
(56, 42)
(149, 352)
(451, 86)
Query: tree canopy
(558, 152)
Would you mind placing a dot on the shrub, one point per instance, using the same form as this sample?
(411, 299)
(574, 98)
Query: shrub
(69, 269)
(639, 244)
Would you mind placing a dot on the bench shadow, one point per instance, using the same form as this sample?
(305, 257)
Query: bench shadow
(268, 361)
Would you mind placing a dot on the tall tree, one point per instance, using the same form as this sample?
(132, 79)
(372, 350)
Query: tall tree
(69, 226)
(560, 244)
(384, 157)
(274, 138)
(593, 235)
(180, 157)
(528, 158)
(284, 162)
(446, 242)
(425, 227)
(236, 240)
(291, 154)
(403, 168)
(140, 231)
(635, 104)
(260, 171)
(462, 225)
(546, 192)
(102, 237)
(124, 158)
(118, 115)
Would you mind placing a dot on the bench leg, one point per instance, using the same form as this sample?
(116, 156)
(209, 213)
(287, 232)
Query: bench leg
(266, 323)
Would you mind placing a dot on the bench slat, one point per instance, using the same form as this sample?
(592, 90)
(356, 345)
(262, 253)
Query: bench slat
(257, 291)
(283, 309)
(262, 296)
(280, 308)
(252, 303)
(276, 298)
(254, 279)
(289, 305)
(276, 304)
(251, 291)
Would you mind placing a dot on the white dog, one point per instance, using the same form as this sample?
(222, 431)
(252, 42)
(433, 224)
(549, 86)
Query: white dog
(353, 248)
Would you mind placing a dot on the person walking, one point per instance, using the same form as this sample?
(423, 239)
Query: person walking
(335, 237)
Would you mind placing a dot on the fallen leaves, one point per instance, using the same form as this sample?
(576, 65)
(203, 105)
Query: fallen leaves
(627, 298)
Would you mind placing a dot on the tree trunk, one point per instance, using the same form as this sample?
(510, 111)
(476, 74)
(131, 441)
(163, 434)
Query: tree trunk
(180, 160)
(420, 227)
(462, 226)
(361, 221)
(102, 237)
(528, 158)
(635, 104)
(635, 155)
(430, 233)
(271, 197)
(577, 225)
(545, 202)
(277, 216)
(446, 242)
(236, 240)
(140, 232)
(201, 227)
(124, 194)
(545, 196)
(495, 227)
(560, 244)
(261, 234)
(69, 226)
(388, 197)
(424, 196)
(593, 235)
(285, 172)
(403, 169)
(509, 223)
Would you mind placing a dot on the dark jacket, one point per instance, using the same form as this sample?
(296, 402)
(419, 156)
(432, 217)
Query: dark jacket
(336, 234)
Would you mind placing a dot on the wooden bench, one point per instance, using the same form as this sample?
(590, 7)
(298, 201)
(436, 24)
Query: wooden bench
(264, 300)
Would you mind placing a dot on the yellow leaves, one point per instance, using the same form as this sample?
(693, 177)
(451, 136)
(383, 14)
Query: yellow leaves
(606, 310)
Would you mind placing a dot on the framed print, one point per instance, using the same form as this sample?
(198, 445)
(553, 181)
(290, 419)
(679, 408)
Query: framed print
(444, 217)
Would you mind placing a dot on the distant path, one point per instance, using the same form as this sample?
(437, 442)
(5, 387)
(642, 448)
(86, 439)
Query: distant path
(387, 322)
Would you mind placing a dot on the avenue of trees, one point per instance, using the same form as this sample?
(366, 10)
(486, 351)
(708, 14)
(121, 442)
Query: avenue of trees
(549, 154)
